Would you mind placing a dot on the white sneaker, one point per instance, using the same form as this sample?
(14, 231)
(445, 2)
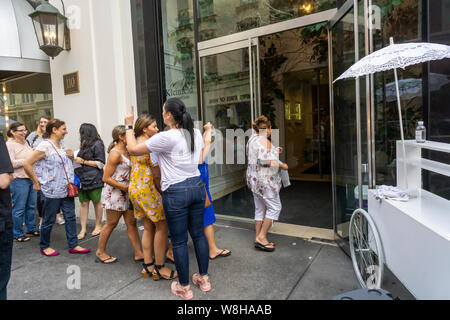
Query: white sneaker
(60, 220)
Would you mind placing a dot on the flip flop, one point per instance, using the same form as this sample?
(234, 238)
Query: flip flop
(95, 234)
(97, 259)
(270, 243)
(263, 247)
(22, 239)
(221, 254)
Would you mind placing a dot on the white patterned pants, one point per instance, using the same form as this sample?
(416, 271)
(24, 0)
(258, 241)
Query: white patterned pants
(267, 208)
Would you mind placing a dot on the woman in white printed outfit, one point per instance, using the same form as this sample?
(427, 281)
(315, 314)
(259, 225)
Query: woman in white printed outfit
(264, 181)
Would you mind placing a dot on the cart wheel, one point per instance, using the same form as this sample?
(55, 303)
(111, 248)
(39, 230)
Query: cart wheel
(366, 250)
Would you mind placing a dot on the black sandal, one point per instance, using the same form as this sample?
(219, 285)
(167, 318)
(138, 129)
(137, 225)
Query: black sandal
(33, 234)
(264, 247)
(158, 276)
(147, 273)
(22, 239)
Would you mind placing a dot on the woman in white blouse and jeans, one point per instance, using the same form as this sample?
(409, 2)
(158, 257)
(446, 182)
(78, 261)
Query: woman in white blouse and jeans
(52, 174)
(183, 191)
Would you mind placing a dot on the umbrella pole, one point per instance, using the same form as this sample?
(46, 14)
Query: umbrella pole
(401, 127)
(391, 41)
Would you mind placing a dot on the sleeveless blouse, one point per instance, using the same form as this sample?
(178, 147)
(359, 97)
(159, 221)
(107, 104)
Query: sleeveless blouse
(146, 200)
(113, 198)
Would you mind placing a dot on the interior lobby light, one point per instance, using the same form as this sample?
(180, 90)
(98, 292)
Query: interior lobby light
(307, 7)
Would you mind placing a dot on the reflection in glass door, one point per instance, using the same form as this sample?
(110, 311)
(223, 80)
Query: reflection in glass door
(227, 103)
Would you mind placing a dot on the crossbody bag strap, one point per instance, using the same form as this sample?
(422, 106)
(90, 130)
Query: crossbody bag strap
(64, 167)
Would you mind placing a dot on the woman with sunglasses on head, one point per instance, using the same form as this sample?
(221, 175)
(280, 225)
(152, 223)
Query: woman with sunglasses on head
(144, 192)
(23, 195)
(183, 191)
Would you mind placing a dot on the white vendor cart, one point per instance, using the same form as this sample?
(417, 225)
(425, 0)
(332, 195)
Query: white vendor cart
(411, 238)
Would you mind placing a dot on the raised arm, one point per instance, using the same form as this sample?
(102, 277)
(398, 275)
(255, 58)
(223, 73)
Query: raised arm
(111, 166)
(134, 148)
(207, 138)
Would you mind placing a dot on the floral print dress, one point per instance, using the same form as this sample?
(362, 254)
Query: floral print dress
(113, 198)
(262, 179)
(146, 200)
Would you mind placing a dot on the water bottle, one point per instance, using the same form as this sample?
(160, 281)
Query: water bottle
(420, 132)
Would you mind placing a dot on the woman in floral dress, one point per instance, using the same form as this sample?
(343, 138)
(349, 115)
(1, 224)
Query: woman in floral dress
(115, 197)
(264, 181)
(147, 203)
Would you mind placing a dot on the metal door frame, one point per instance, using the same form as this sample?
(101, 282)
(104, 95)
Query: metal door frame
(343, 11)
(250, 39)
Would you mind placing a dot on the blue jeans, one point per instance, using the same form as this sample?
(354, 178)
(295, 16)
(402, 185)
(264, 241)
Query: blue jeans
(50, 208)
(6, 246)
(184, 206)
(24, 204)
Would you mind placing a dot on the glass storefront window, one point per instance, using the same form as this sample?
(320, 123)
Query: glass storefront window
(439, 92)
(226, 98)
(219, 18)
(400, 20)
(179, 53)
(27, 100)
(140, 58)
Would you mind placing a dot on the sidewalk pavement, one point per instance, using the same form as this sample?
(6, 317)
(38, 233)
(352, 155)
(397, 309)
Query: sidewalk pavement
(297, 270)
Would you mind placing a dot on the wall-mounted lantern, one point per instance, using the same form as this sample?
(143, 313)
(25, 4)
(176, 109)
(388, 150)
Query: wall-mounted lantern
(51, 29)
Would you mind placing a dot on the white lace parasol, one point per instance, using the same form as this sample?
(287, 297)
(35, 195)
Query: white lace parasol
(393, 57)
(397, 56)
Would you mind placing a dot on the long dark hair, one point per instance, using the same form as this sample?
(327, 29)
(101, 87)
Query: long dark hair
(88, 136)
(182, 118)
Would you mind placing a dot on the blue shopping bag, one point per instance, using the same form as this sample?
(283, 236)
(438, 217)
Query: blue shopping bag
(76, 181)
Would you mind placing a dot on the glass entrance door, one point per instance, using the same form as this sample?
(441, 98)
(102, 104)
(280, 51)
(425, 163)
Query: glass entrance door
(349, 119)
(229, 80)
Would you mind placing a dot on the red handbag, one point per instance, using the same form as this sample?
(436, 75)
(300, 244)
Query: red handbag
(72, 190)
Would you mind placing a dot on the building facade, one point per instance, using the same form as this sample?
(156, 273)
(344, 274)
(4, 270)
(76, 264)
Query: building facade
(233, 60)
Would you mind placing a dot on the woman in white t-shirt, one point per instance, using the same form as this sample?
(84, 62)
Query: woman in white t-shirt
(183, 191)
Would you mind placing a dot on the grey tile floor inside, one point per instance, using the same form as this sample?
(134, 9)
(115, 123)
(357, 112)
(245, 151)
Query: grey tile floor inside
(297, 270)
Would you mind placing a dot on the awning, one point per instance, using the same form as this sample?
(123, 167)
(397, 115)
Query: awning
(19, 49)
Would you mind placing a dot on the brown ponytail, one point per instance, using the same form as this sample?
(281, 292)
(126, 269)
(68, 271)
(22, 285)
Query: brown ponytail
(117, 132)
